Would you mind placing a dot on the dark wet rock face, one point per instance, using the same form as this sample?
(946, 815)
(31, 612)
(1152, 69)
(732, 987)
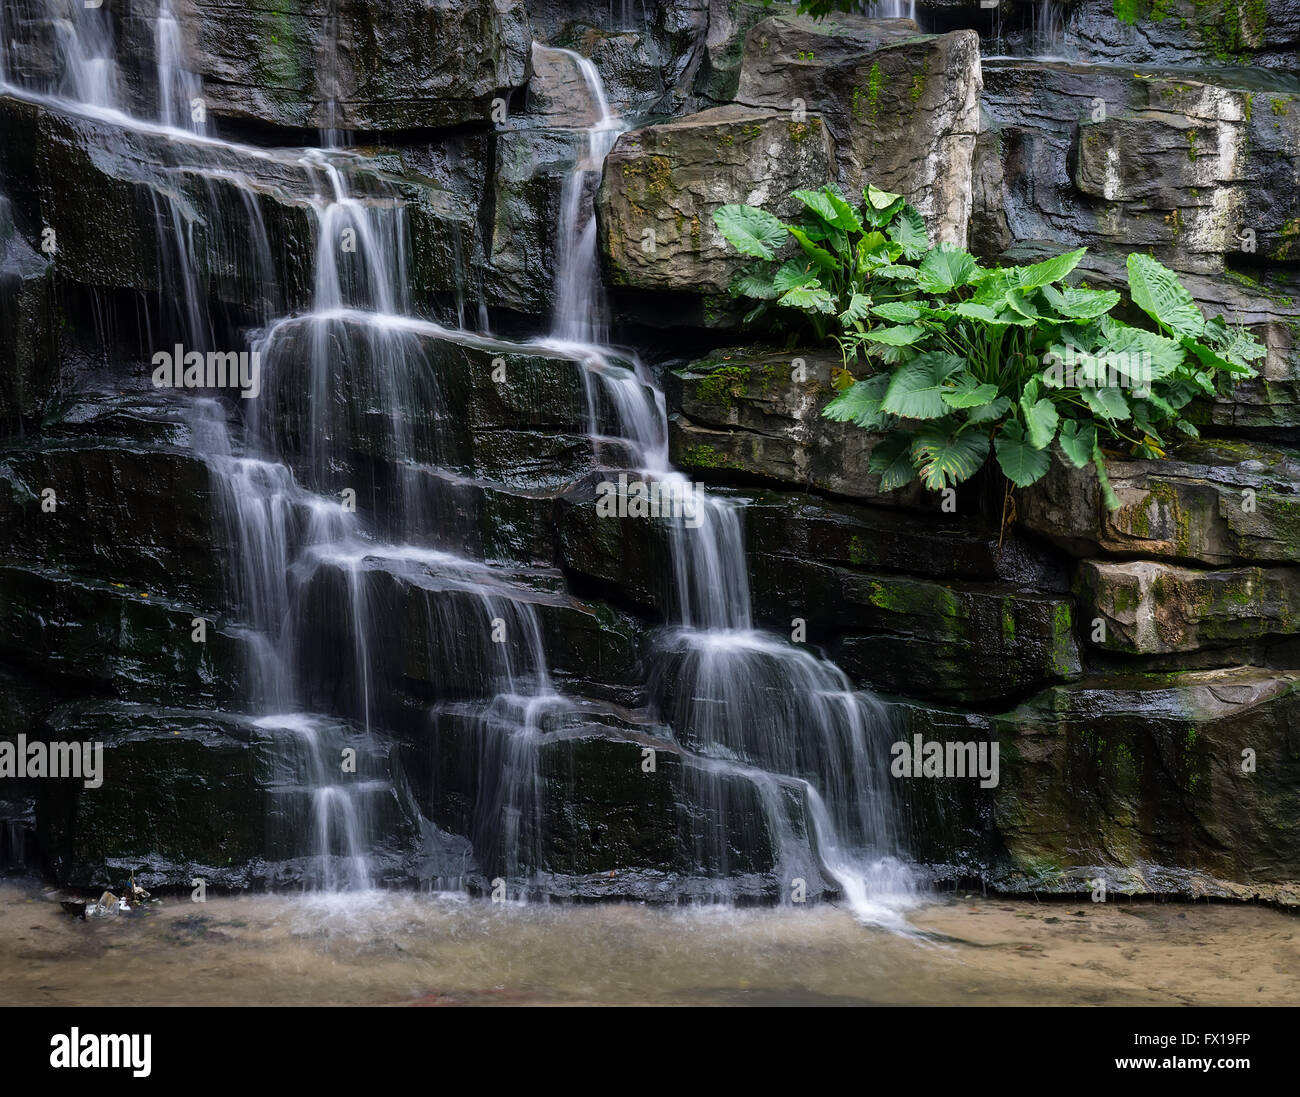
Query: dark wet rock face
(1136, 669)
(357, 64)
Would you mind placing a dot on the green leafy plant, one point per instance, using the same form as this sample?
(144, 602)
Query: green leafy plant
(963, 361)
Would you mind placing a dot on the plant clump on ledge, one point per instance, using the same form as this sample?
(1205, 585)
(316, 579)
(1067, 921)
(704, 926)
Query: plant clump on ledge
(962, 359)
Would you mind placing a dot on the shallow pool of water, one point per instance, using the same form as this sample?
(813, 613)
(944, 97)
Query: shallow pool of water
(403, 949)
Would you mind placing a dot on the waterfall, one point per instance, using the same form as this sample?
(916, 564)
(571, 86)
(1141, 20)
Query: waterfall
(578, 296)
(890, 9)
(1048, 33)
(323, 565)
(179, 99)
(746, 703)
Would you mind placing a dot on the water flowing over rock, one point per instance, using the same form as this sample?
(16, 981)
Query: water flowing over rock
(404, 618)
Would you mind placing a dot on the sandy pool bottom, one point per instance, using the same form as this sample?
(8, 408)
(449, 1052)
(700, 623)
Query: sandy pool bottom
(404, 949)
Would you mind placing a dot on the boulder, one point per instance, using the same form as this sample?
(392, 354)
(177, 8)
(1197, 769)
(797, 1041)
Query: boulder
(1182, 784)
(1211, 502)
(195, 793)
(662, 184)
(532, 166)
(1255, 33)
(109, 639)
(1150, 607)
(356, 64)
(968, 643)
(902, 107)
(129, 514)
(754, 413)
(132, 208)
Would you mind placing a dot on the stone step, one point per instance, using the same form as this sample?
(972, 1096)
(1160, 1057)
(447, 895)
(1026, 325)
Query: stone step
(1211, 502)
(120, 640)
(189, 792)
(429, 621)
(1140, 782)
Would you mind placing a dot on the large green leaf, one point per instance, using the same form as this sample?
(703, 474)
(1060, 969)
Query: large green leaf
(900, 312)
(1040, 420)
(990, 412)
(1077, 440)
(944, 457)
(892, 458)
(881, 206)
(1138, 355)
(916, 389)
(1023, 303)
(945, 267)
(1108, 403)
(898, 335)
(993, 288)
(751, 231)
(794, 273)
(969, 393)
(809, 299)
(896, 272)
(1019, 460)
(819, 203)
(1050, 270)
(860, 404)
(1208, 357)
(1236, 344)
(823, 258)
(858, 308)
(909, 231)
(1155, 289)
(972, 311)
(755, 281)
(845, 216)
(1080, 304)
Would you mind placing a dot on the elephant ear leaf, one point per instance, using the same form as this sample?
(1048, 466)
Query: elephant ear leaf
(1155, 289)
(1077, 441)
(1049, 270)
(945, 268)
(881, 206)
(751, 231)
(1040, 421)
(860, 404)
(892, 459)
(908, 231)
(754, 281)
(1019, 460)
(916, 388)
(944, 458)
(969, 393)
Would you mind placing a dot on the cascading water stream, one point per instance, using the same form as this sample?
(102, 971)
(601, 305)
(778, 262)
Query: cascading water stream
(578, 305)
(179, 99)
(749, 704)
(741, 704)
